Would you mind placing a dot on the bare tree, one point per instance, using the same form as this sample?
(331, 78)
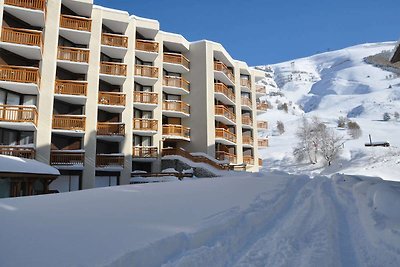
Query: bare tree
(308, 144)
(332, 145)
(281, 127)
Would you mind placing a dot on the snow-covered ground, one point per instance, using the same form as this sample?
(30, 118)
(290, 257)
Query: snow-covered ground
(265, 219)
(331, 85)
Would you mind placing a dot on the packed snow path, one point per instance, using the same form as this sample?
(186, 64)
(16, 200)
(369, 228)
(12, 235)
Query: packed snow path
(256, 220)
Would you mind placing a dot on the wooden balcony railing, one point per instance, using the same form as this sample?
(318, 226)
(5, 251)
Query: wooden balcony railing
(176, 105)
(19, 74)
(223, 89)
(246, 102)
(225, 134)
(147, 46)
(64, 87)
(103, 160)
(146, 71)
(11, 113)
(176, 82)
(116, 40)
(263, 142)
(262, 106)
(145, 97)
(75, 23)
(112, 68)
(221, 110)
(248, 160)
(69, 122)
(246, 120)
(247, 140)
(18, 151)
(262, 125)
(144, 152)
(175, 58)
(261, 89)
(22, 36)
(219, 66)
(176, 130)
(59, 157)
(145, 124)
(110, 128)
(245, 83)
(260, 162)
(111, 98)
(30, 4)
(73, 54)
(225, 156)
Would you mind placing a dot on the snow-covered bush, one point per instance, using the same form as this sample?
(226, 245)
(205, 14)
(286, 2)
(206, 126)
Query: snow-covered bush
(354, 129)
(396, 115)
(386, 116)
(280, 127)
(342, 121)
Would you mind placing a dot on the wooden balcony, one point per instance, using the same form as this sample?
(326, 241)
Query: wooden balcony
(225, 156)
(262, 106)
(145, 124)
(263, 142)
(67, 158)
(246, 120)
(175, 58)
(103, 160)
(112, 68)
(245, 83)
(262, 125)
(246, 101)
(144, 152)
(73, 54)
(30, 4)
(178, 82)
(69, 122)
(116, 40)
(145, 97)
(147, 46)
(111, 98)
(19, 74)
(22, 36)
(260, 89)
(111, 128)
(18, 151)
(248, 160)
(221, 110)
(176, 130)
(64, 87)
(11, 113)
(223, 89)
(247, 140)
(176, 105)
(260, 162)
(225, 134)
(219, 66)
(75, 23)
(146, 71)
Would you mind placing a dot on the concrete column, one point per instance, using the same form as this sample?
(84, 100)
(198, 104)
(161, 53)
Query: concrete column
(239, 135)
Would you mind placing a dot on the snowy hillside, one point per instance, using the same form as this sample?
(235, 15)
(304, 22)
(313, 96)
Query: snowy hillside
(332, 85)
(265, 219)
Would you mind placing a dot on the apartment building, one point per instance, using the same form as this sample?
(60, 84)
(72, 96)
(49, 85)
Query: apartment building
(99, 94)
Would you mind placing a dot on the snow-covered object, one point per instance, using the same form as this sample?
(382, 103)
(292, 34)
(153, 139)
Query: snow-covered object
(9, 164)
(169, 170)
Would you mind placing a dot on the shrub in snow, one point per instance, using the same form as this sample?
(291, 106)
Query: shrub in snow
(354, 129)
(284, 107)
(386, 116)
(342, 121)
(281, 127)
(396, 115)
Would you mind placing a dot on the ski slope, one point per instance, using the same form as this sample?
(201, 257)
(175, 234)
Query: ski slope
(266, 219)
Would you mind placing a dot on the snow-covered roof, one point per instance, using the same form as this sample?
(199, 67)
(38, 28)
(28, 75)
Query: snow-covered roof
(10, 164)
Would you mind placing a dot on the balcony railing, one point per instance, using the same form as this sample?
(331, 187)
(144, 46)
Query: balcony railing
(221, 110)
(225, 156)
(225, 134)
(111, 98)
(219, 66)
(145, 97)
(146, 71)
(246, 120)
(248, 160)
(247, 140)
(75, 23)
(223, 89)
(59, 157)
(144, 152)
(175, 58)
(110, 128)
(246, 102)
(261, 89)
(10, 113)
(30, 4)
(18, 151)
(69, 122)
(19, 74)
(112, 68)
(263, 142)
(73, 54)
(176, 130)
(245, 83)
(262, 106)
(147, 46)
(176, 105)
(145, 124)
(103, 160)
(179, 82)
(65, 87)
(21, 36)
(114, 40)
(262, 125)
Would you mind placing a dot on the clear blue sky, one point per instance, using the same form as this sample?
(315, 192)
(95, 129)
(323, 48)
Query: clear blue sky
(265, 32)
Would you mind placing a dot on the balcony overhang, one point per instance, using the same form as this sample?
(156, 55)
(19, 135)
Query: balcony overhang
(112, 79)
(175, 114)
(71, 99)
(175, 90)
(177, 68)
(18, 126)
(75, 67)
(22, 88)
(31, 16)
(144, 106)
(219, 75)
(114, 51)
(146, 55)
(147, 81)
(111, 108)
(224, 120)
(26, 51)
(144, 132)
(245, 89)
(247, 126)
(72, 133)
(246, 107)
(247, 145)
(175, 137)
(111, 138)
(224, 99)
(82, 7)
(224, 141)
(75, 36)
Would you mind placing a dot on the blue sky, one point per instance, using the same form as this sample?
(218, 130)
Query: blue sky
(264, 31)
